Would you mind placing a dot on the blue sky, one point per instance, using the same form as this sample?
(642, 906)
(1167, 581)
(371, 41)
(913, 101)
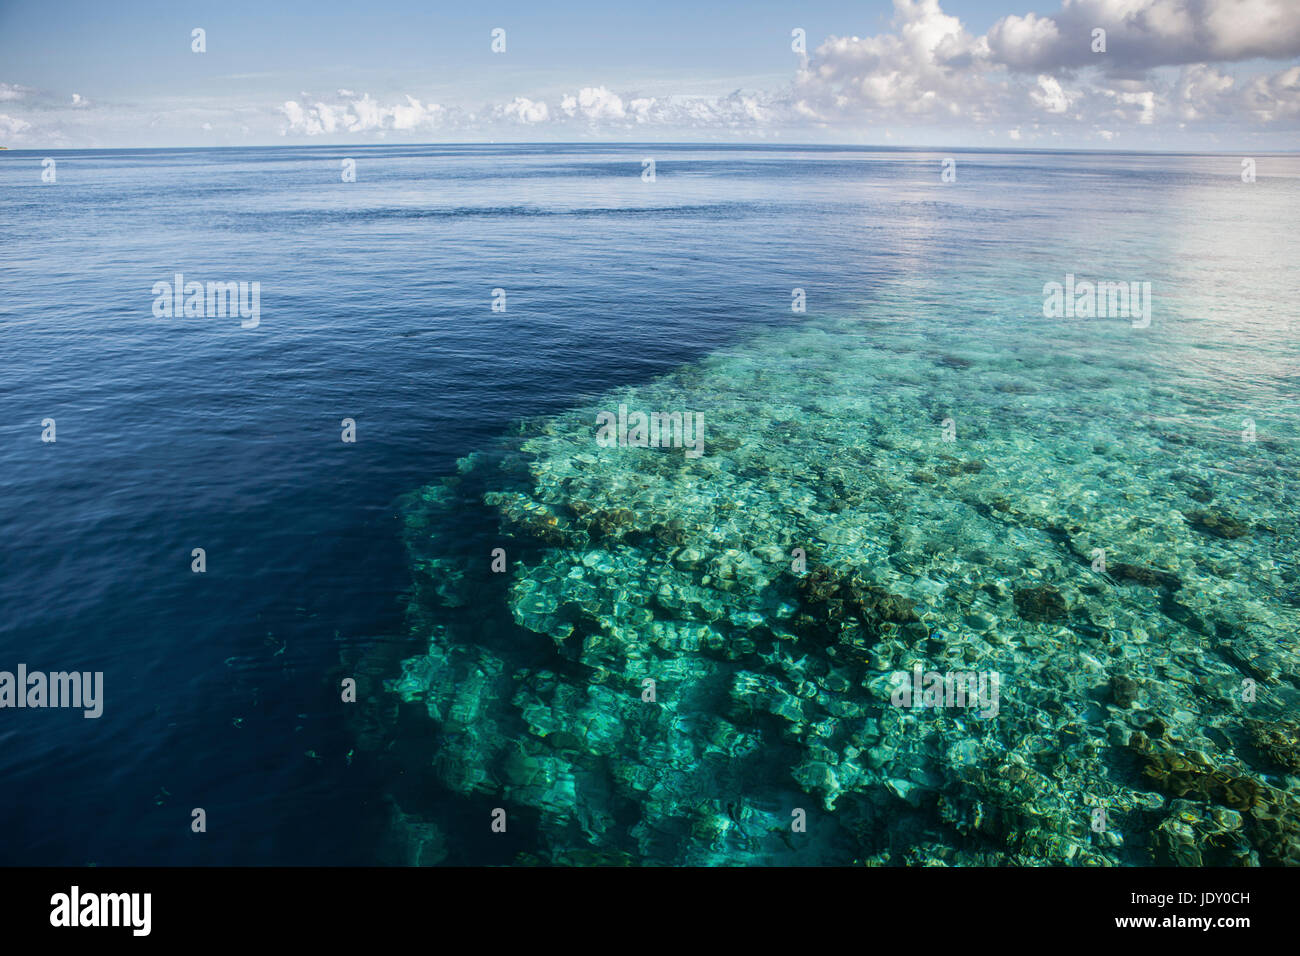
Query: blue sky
(1211, 74)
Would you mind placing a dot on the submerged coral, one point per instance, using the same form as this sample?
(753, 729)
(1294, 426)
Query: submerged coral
(1279, 739)
(1218, 523)
(1040, 603)
(696, 660)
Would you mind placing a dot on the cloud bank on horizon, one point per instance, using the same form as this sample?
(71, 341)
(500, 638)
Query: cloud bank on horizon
(1131, 73)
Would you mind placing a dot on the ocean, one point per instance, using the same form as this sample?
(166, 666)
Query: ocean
(914, 461)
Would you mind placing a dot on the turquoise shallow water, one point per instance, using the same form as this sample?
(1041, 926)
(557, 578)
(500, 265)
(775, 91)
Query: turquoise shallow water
(1102, 516)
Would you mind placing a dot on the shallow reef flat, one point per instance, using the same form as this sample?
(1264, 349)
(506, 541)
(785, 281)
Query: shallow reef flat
(1080, 522)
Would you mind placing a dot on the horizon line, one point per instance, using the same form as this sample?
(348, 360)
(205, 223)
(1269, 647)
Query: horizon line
(662, 143)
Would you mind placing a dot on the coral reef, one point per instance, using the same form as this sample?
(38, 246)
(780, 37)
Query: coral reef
(685, 657)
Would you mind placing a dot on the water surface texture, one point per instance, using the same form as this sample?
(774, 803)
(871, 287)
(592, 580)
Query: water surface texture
(685, 659)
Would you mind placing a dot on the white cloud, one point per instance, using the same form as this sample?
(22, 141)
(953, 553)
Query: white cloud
(733, 111)
(1049, 96)
(1202, 91)
(930, 69)
(594, 103)
(924, 68)
(12, 126)
(523, 110)
(360, 114)
(1276, 97)
(1133, 107)
(1147, 33)
(1024, 41)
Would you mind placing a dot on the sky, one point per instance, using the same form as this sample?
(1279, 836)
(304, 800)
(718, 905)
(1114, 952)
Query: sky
(1221, 75)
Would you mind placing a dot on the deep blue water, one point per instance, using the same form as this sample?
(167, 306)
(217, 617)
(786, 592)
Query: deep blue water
(221, 689)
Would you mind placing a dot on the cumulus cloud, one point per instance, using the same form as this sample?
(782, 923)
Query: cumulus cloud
(12, 126)
(1275, 97)
(923, 68)
(1132, 107)
(1024, 41)
(523, 110)
(1049, 95)
(1042, 69)
(1147, 33)
(738, 109)
(1202, 91)
(594, 103)
(360, 114)
(587, 108)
